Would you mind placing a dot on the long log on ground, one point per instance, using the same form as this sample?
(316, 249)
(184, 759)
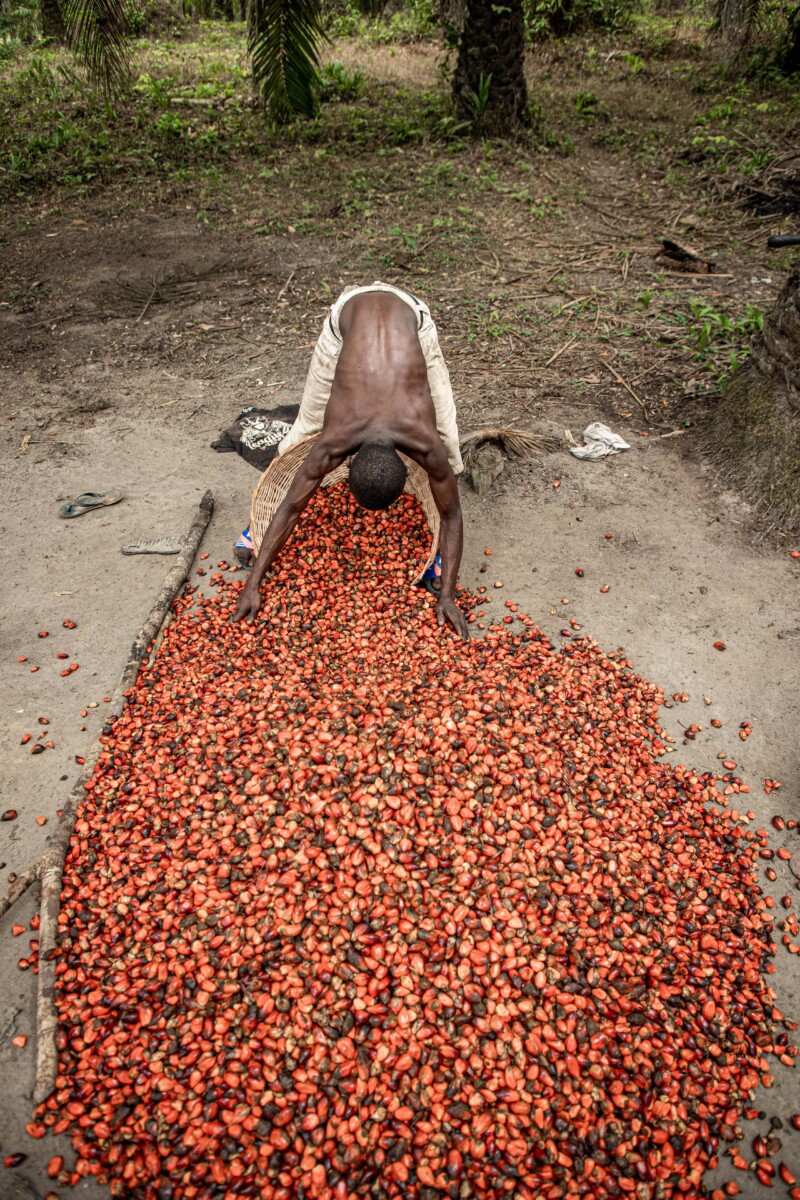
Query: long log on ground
(48, 869)
(52, 862)
(19, 887)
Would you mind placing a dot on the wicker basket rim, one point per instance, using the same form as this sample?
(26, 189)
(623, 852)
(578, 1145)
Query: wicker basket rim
(276, 480)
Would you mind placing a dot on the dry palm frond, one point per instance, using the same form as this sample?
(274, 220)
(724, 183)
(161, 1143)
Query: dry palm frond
(515, 442)
(167, 285)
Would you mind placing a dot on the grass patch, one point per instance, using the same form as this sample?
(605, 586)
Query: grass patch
(382, 155)
(414, 22)
(191, 111)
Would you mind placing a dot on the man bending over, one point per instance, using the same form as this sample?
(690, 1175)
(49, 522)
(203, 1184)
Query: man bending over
(377, 384)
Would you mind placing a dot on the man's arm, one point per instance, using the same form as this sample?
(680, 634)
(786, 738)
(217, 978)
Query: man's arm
(319, 463)
(451, 542)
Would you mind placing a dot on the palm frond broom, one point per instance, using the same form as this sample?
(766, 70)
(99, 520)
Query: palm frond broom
(483, 451)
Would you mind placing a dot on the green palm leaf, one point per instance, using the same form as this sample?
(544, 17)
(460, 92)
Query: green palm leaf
(283, 39)
(96, 32)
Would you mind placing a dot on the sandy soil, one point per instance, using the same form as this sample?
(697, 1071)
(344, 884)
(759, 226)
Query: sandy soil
(101, 389)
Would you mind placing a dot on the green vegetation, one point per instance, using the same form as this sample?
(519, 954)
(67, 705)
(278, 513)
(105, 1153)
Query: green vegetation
(414, 22)
(190, 107)
(336, 83)
(556, 18)
(589, 106)
(283, 38)
(714, 332)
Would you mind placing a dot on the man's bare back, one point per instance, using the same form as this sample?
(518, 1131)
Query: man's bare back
(380, 401)
(381, 384)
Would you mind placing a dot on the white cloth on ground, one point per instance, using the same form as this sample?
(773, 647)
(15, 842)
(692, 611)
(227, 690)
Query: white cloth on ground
(323, 367)
(600, 442)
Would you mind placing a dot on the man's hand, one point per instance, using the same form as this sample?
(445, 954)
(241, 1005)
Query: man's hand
(249, 603)
(310, 474)
(448, 610)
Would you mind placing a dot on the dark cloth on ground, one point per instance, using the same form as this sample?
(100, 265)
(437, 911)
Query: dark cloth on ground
(256, 434)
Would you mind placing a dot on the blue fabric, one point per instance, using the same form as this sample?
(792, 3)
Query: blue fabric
(434, 571)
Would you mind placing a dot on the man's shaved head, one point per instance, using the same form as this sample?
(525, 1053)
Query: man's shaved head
(377, 475)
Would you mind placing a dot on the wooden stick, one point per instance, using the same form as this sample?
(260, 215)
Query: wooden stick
(690, 277)
(49, 905)
(575, 300)
(626, 385)
(659, 437)
(19, 887)
(560, 351)
(157, 281)
(285, 287)
(51, 864)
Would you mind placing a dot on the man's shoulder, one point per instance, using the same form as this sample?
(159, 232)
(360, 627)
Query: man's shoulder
(388, 307)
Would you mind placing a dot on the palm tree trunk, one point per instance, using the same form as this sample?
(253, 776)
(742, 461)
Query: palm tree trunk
(733, 20)
(776, 349)
(451, 14)
(791, 55)
(492, 45)
(52, 22)
(754, 429)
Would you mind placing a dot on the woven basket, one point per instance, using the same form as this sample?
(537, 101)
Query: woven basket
(273, 485)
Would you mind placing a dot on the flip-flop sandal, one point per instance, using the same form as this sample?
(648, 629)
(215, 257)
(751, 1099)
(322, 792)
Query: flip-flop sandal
(163, 545)
(88, 501)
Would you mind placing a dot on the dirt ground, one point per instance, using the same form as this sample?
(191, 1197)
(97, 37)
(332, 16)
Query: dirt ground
(157, 328)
